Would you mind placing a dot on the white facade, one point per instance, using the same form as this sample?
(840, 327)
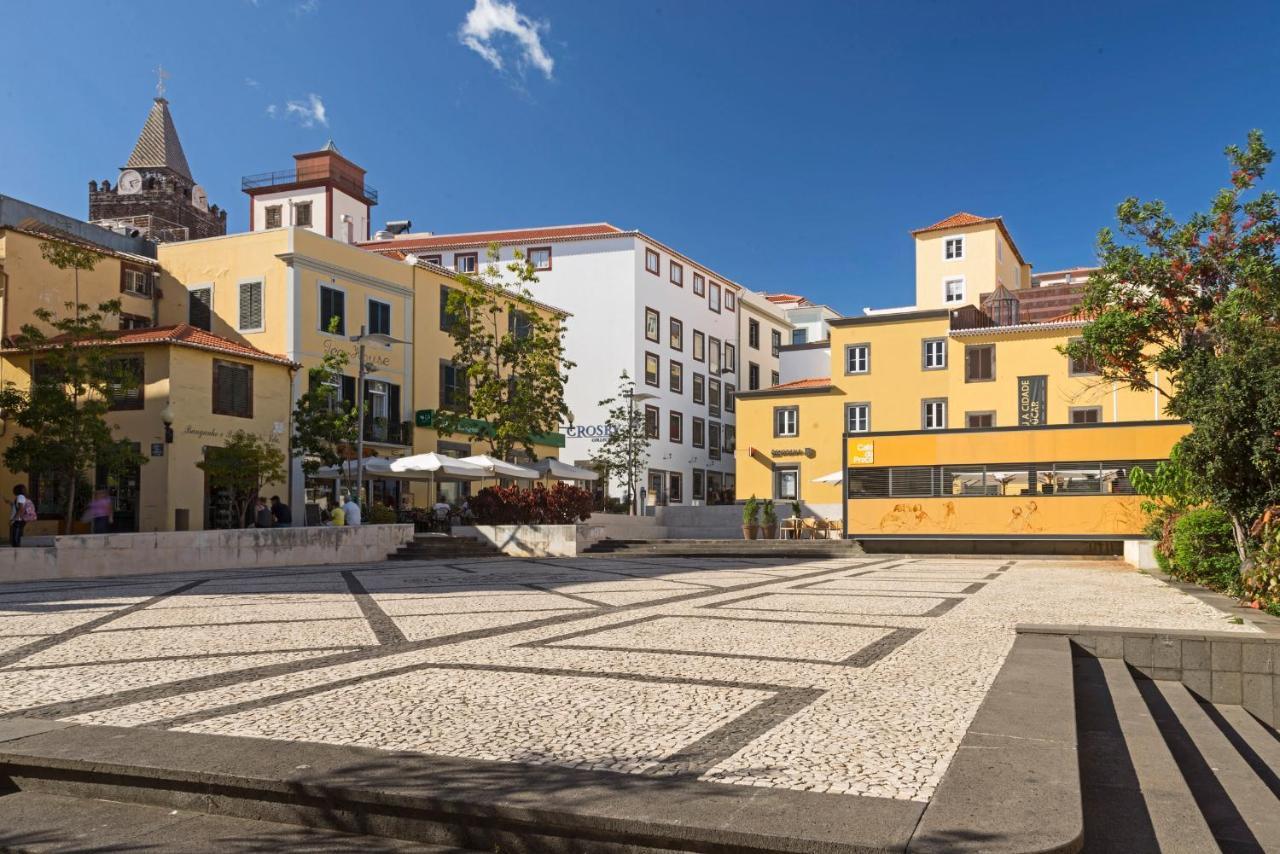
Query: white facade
(764, 331)
(333, 213)
(603, 282)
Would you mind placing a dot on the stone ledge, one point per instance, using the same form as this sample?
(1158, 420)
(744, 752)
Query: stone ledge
(1014, 784)
(444, 800)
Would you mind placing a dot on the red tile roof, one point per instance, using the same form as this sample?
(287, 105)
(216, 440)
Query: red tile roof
(484, 238)
(185, 335)
(957, 220)
(961, 219)
(1077, 316)
(779, 298)
(810, 382)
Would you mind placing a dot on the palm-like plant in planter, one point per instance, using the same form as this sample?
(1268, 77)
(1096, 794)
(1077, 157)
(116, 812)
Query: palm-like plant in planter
(750, 519)
(769, 521)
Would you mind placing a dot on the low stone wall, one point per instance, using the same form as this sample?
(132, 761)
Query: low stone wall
(1235, 668)
(533, 540)
(105, 555)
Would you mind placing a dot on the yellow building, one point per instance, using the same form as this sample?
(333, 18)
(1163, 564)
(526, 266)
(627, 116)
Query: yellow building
(178, 368)
(958, 415)
(293, 291)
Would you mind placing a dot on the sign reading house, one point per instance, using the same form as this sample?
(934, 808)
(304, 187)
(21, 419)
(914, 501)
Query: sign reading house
(1033, 398)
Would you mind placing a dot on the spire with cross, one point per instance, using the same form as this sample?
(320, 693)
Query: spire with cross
(161, 76)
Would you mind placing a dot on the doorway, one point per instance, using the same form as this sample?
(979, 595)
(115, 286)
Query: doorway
(124, 488)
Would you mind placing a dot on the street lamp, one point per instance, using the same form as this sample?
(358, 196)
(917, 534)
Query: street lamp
(365, 369)
(166, 416)
(632, 462)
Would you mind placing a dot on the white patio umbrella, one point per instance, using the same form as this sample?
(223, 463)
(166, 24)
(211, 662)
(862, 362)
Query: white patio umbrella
(834, 477)
(438, 467)
(501, 468)
(553, 469)
(373, 467)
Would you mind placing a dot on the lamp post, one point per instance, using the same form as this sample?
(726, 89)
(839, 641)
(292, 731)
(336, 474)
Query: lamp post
(364, 370)
(166, 417)
(632, 462)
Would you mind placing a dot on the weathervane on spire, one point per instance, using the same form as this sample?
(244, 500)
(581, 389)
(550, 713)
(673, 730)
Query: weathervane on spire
(161, 76)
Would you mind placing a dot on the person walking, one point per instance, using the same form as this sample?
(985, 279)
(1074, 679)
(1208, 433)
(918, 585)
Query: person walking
(99, 512)
(21, 511)
(351, 510)
(280, 512)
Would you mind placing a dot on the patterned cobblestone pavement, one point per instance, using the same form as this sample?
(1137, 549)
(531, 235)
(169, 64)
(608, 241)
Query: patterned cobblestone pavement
(853, 675)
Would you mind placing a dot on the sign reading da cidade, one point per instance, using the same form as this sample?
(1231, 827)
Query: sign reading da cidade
(1033, 399)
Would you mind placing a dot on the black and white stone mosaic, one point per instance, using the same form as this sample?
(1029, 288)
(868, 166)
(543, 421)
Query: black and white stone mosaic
(852, 675)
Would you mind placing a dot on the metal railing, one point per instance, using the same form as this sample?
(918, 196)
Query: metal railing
(295, 176)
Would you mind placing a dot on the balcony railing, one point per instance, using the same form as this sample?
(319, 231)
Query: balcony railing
(388, 432)
(297, 176)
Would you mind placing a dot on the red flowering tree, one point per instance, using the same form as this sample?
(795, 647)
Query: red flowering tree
(1193, 309)
(562, 504)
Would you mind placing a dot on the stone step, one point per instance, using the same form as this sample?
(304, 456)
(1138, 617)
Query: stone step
(1241, 809)
(444, 802)
(1135, 795)
(42, 823)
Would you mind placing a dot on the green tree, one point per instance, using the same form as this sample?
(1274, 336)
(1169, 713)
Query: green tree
(626, 445)
(1192, 308)
(324, 425)
(63, 411)
(69, 256)
(243, 467)
(511, 356)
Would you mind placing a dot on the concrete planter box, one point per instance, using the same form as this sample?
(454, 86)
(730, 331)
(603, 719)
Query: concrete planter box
(105, 555)
(1140, 554)
(534, 540)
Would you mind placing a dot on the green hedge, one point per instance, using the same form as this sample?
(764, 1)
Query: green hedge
(1204, 549)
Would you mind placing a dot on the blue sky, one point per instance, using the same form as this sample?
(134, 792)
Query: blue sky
(788, 146)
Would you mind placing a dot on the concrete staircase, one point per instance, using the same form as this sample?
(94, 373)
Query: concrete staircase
(441, 547)
(1163, 769)
(739, 548)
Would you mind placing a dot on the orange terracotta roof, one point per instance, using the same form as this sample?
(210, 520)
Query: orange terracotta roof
(957, 220)
(961, 219)
(810, 382)
(784, 298)
(1079, 315)
(185, 335)
(484, 238)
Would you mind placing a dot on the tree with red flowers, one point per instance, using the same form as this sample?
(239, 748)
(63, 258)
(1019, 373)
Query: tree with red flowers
(1193, 309)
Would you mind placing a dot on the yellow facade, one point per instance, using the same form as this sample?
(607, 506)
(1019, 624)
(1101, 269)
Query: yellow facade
(899, 383)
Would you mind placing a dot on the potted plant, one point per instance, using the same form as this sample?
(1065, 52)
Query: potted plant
(769, 521)
(750, 514)
(796, 511)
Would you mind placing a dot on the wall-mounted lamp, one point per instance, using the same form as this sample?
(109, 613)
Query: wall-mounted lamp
(166, 415)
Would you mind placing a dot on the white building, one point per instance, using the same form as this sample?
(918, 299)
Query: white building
(809, 319)
(638, 306)
(763, 330)
(324, 192)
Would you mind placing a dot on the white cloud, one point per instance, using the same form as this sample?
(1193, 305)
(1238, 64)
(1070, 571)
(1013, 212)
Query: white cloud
(251, 83)
(305, 7)
(272, 111)
(310, 113)
(490, 19)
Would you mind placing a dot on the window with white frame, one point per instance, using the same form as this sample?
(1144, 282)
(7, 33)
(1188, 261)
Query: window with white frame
(933, 414)
(935, 354)
(857, 358)
(250, 307)
(466, 262)
(699, 285)
(786, 484)
(953, 248)
(713, 298)
(857, 417)
(652, 263)
(676, 273)
(953, 290)
(786, 421)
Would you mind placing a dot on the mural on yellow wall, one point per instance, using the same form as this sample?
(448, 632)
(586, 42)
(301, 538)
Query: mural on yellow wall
(996, 515)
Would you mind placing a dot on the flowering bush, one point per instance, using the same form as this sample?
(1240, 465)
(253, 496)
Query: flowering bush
(562, 504)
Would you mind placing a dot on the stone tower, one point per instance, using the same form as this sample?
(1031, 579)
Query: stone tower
(154, 193)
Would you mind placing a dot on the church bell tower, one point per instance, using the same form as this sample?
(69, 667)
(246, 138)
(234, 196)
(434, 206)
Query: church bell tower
(154, 195)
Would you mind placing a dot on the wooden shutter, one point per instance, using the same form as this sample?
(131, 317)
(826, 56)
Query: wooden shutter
(250, 305)
(200, 309)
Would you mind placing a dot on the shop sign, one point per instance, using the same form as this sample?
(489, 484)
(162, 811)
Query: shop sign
(791, 452)
(862, 453)
(1033, 397)
(594, 432)
(477, 427)
(157, 449)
